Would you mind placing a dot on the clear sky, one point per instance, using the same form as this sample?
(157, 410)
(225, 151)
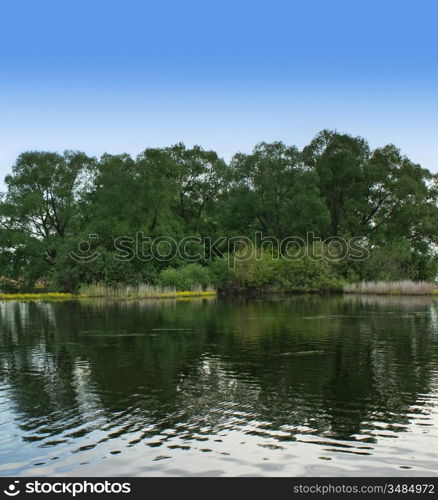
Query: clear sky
(122, 76)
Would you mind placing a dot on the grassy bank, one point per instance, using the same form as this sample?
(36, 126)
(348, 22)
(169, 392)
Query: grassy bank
(37, 296)
(120, 293)
(405, 287)
(142, 291)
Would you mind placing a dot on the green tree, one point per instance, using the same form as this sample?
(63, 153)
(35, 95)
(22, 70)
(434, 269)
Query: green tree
(338, 160)
(42, 207)
(274, 193)
(200, 178)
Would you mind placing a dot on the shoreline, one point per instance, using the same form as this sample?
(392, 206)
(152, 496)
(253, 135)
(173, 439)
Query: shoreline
(65, 296)
(61, 296)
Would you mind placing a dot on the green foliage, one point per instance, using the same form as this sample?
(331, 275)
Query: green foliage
(397, 261)
(221, 274)
(188, 277)
(335, 186)
(265, 270)
(272, 191)
(254, 270)
(308, 275)
(338, 160)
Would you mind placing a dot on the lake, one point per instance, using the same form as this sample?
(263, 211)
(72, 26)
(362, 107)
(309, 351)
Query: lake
(298, 386)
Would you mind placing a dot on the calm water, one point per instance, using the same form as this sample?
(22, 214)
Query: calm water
(298, 386)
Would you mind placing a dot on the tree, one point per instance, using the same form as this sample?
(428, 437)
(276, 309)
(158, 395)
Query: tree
(274, 193)
(200, 178)
(338, 160)
(42, 205)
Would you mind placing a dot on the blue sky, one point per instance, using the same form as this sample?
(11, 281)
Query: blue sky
(122, 76)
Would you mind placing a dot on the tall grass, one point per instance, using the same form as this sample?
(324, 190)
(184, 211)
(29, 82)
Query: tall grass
(142, 291)
(37, 296)
(405, 287)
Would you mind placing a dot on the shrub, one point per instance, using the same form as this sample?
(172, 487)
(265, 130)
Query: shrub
(186, 277)
(307, 275)
(255, 271)
(262, 270)
(222, 276)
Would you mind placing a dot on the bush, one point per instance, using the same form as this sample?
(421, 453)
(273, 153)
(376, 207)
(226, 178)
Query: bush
(389, 263)
(222, 276)
(254, 271)
(186, 277)
(307, 275)
(262, 270)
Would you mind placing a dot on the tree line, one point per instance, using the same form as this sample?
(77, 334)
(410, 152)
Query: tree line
(336, 186)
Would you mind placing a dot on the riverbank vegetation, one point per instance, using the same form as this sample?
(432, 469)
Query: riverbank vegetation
(405, 287)
(37, 296)
(112, 292)
(56, 206)
(142, 291)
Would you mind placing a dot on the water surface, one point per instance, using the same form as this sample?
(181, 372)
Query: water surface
(285, 386)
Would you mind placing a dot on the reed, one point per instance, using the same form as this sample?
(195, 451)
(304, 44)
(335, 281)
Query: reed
(142, 291)
(113, 292)
(405, 287)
